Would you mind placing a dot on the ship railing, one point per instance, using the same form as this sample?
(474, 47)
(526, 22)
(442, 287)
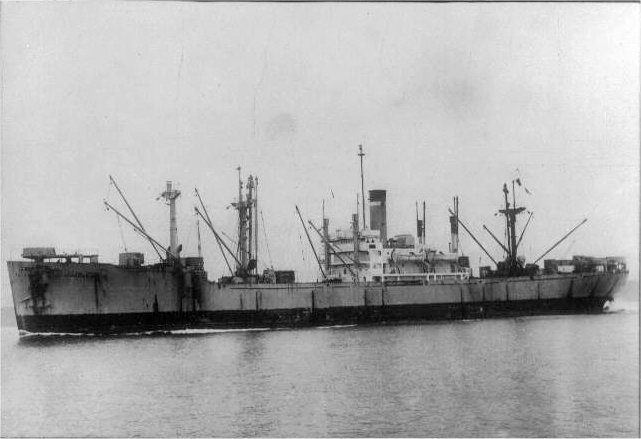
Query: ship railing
(423, 277)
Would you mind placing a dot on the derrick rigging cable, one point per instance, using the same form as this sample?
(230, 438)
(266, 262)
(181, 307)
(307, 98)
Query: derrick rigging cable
(269, 253)
(232, 240)
(122, 235)
(302, 247)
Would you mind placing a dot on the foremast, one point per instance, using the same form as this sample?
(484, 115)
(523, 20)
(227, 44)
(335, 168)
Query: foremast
(512, 262)
(170, 196)
(246, 261)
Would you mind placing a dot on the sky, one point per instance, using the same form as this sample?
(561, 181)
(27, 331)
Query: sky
(446, 99)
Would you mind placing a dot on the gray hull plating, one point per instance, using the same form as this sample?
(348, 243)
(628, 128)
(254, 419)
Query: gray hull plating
(104, 298)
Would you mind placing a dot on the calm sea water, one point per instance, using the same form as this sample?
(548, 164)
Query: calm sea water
(535, 376)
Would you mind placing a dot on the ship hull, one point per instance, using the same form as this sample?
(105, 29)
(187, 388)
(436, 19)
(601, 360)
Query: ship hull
(168, 321)
(106, 299)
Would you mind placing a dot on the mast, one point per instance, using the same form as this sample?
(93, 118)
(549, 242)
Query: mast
(510, 225)
(256, 222)
(242, 226)
(361, 154)
(420, 225)
(200, 250)
(355, 234)
(250, 217)
(326, 242)
(419, 233)
(424, 238)
(454, 227)
(170, 196)
(247, 226)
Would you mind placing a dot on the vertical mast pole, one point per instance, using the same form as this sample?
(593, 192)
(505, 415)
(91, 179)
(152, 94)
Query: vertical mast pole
(256, 222)
(507, 222)
(250, 217)
(454, 226)
(424, 238)
(513, 225)
(513, 221)
(242, 225)
(170, 196)
(326, 241)
(457, 238)
(355, 234)
(419, 233)
(361, 154)
(200, 251)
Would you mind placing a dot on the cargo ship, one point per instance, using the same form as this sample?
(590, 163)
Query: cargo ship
(366, 277)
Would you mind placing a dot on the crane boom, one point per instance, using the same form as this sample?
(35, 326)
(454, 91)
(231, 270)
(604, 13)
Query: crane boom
(311, 244)
(333, 248)
(496, 239)
(136, 228)
(113, 181)
(211, 227)
(215, 235)
(561, 240)
(472, 235)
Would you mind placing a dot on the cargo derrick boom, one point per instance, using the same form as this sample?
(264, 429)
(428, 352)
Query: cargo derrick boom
(131, 210)
(209, 224)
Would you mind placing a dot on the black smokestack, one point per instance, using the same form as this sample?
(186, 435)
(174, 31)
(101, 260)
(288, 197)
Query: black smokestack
(378, 212)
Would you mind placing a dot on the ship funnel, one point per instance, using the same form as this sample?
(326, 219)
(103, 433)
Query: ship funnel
(378, 212)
